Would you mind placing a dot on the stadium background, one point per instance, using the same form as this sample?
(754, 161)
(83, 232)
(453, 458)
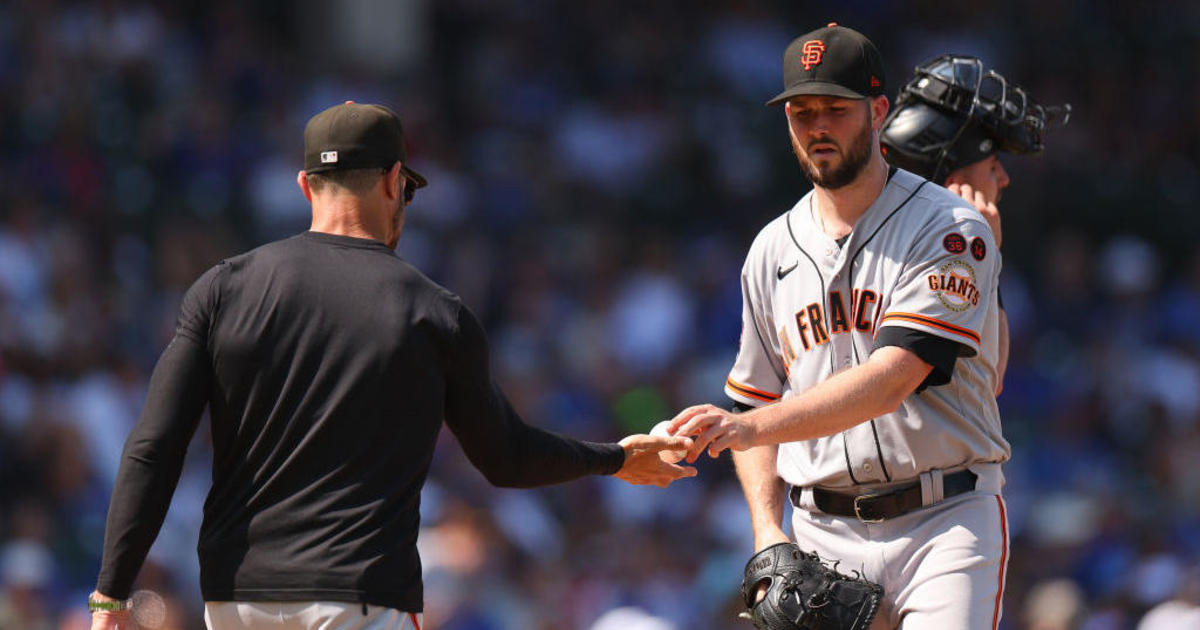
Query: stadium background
(598, 169)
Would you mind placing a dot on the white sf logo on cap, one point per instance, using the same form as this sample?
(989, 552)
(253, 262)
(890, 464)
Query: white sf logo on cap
(328, 157)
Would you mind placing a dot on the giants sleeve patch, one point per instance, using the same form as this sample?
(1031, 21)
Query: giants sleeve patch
(954, 286)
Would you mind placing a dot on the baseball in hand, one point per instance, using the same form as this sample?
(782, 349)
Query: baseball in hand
(670, 457)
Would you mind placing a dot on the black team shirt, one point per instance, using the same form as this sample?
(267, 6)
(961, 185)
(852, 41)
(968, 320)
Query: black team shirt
(327, 364)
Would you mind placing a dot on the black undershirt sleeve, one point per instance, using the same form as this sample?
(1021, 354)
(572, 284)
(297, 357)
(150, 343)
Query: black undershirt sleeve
(739, 407)
(507, 451)
(152, 461)
(939, 352)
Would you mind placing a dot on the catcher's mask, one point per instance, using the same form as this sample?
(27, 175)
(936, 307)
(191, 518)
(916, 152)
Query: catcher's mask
(953, 113)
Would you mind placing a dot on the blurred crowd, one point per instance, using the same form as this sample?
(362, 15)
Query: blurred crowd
(598, 169)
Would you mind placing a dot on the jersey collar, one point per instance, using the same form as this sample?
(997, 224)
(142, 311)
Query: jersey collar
(806, 229)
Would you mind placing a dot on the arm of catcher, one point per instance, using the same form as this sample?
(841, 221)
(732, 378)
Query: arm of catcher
(988, 209)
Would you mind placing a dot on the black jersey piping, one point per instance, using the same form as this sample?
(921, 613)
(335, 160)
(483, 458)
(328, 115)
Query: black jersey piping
(887, 475)
(824, 296)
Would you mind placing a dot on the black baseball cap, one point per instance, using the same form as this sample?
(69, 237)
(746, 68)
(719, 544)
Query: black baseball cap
(353, 135)
(831, 61)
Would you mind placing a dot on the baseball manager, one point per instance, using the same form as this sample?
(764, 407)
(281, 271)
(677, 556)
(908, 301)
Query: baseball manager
(328, 365)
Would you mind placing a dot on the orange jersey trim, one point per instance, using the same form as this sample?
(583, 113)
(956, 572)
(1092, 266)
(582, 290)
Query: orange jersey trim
(936, 323)
(750, 392)
(413, 618)
(1003, 562)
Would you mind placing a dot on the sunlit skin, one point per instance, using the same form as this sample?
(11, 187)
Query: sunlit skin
(377, 215)
(834, 138)
(982, 184)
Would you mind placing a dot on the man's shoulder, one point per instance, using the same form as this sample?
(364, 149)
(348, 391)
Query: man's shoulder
(292, 252)
(272, 249)
(929, 203)
(416, 278)
(776, 233)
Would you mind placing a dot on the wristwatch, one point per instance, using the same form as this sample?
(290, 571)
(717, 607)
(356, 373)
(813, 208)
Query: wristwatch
(95, 605)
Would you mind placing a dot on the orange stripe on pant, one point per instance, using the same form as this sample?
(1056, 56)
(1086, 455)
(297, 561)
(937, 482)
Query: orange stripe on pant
(1003, 562)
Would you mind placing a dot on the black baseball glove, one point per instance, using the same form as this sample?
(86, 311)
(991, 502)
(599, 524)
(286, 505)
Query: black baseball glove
(803, 593)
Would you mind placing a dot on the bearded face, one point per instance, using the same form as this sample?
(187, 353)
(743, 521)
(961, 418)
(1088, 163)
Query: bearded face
(834, 153)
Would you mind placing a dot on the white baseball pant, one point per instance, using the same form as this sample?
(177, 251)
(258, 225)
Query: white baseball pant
(306, 616)
(940, 567)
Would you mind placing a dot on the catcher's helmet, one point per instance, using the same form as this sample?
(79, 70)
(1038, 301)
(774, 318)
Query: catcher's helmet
(952, 113)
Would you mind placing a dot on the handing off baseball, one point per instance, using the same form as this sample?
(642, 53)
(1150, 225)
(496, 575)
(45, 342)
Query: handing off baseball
(711, 428)
(662, 429)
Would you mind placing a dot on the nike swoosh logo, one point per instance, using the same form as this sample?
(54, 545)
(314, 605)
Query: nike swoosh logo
(781, 272)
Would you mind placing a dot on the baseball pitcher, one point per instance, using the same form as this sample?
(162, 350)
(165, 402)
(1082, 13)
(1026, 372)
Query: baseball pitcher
(865, 378)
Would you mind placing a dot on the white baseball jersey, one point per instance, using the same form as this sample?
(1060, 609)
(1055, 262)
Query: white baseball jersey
(920, 257)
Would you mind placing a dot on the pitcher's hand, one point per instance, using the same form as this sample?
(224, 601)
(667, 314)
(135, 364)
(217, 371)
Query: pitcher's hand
(714, 429)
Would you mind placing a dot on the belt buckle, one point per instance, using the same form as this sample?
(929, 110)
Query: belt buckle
(858, 509)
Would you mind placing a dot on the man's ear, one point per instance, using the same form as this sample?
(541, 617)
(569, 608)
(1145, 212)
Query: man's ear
(879, 111)
(302, 182)
(391, 182)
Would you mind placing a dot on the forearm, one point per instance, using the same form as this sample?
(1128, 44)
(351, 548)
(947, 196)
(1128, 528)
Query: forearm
(764, 491)
(509, 452)
(513, 454)
(541, 458)
(865, 391)
(151, 463)
(139, 505)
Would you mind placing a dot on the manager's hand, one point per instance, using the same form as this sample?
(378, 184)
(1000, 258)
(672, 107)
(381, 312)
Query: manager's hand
(643, 466)
(111, 620)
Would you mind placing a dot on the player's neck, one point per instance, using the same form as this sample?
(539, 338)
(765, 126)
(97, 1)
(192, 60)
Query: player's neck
(839, 209)
(347, 216)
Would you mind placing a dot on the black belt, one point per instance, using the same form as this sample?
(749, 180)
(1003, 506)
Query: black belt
(879, 505)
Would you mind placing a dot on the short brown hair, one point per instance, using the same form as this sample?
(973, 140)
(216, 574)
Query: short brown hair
(357, 181)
